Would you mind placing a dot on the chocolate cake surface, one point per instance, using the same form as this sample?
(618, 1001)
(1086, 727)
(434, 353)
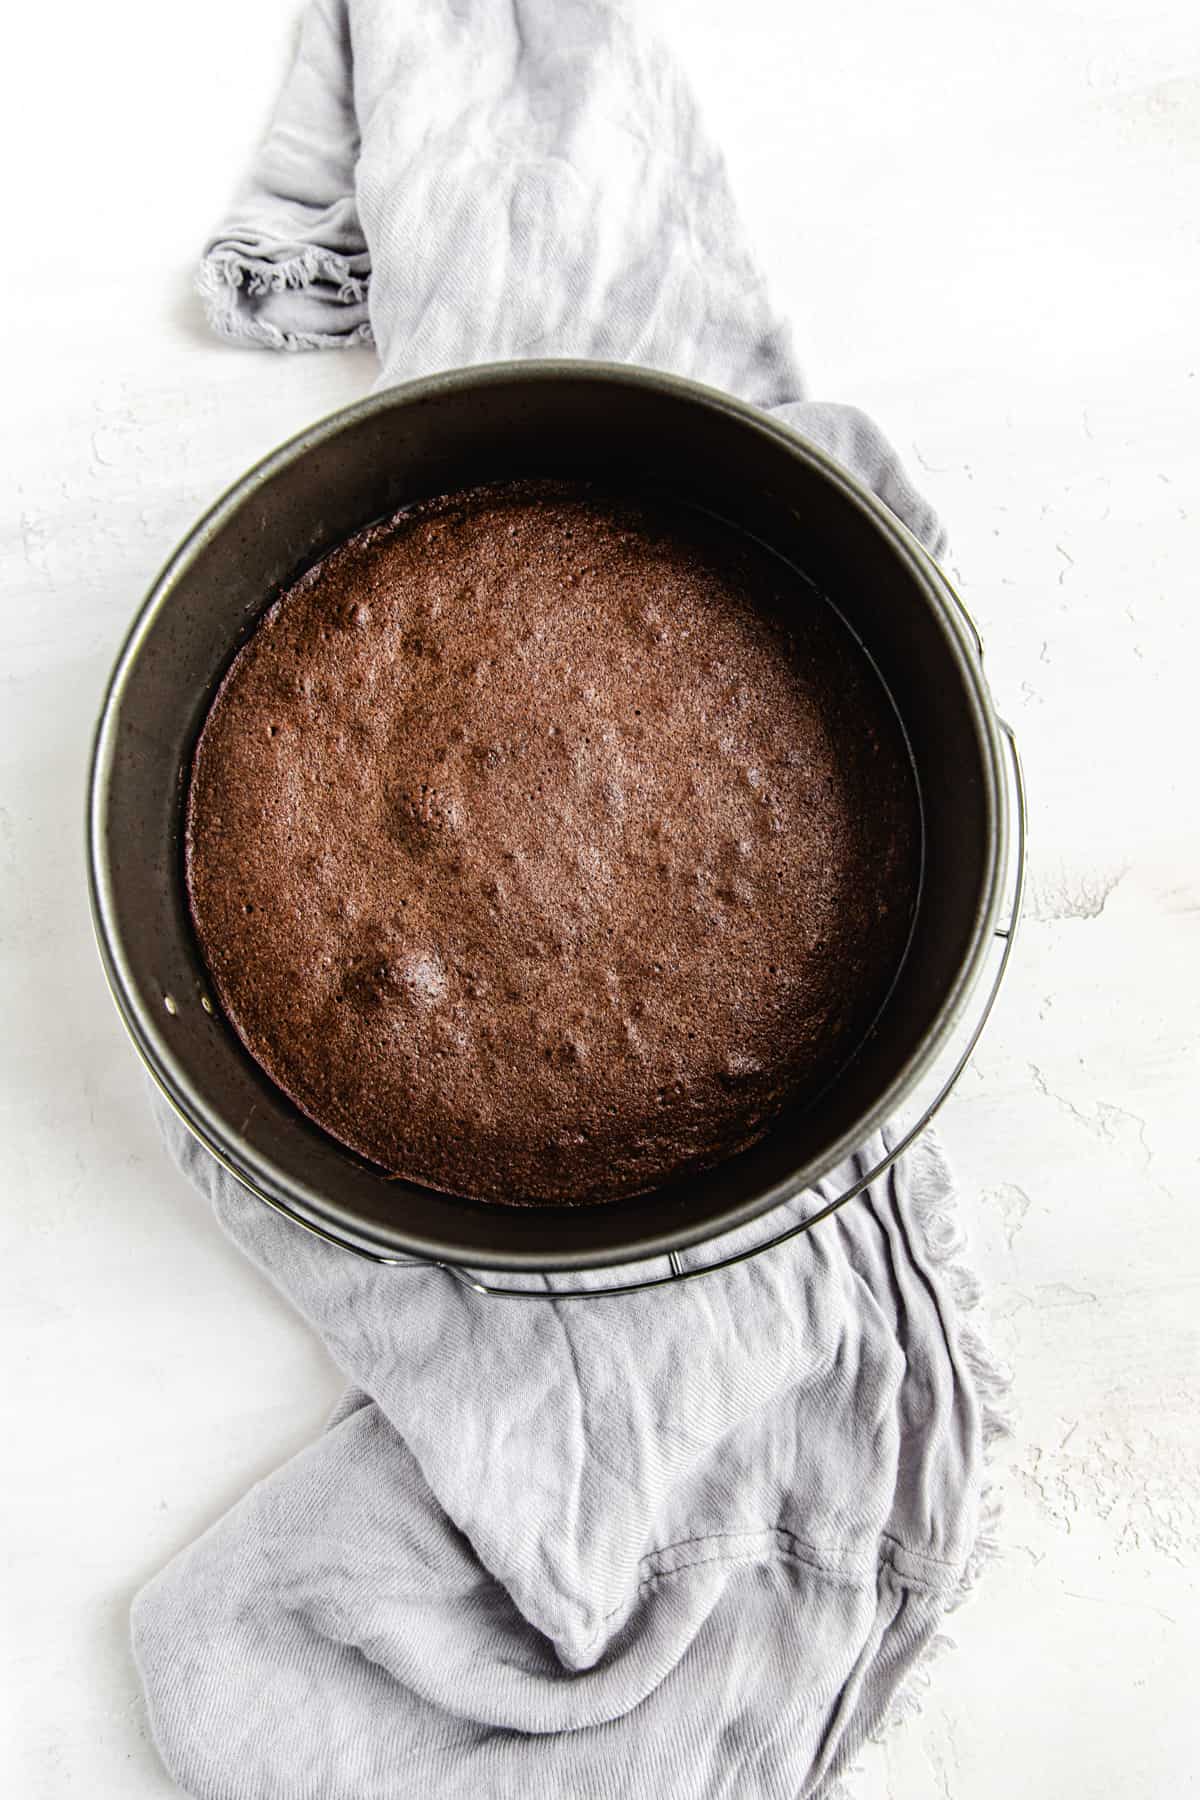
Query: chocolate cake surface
(544, 844)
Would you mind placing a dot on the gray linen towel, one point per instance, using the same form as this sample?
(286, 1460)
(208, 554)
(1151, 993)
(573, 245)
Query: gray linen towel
(690, 1543)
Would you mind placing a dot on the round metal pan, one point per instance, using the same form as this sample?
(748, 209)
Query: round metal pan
(634, 429)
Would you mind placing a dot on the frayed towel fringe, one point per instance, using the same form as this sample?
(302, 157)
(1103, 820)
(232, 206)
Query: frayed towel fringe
(945, 1241)
(225, 277)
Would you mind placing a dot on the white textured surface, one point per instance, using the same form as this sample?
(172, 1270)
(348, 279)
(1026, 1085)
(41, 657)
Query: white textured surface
(983, 221)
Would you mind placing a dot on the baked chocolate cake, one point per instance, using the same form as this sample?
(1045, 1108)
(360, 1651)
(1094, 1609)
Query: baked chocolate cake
(543, 844)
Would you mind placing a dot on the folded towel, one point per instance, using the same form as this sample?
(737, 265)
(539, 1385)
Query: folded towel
(691, 1542)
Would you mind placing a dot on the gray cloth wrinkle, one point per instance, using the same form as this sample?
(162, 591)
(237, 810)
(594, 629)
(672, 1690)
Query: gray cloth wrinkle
(715, 1577)
(691, 1542)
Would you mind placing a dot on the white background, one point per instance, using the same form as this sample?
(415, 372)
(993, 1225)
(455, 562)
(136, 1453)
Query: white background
(982, 215)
